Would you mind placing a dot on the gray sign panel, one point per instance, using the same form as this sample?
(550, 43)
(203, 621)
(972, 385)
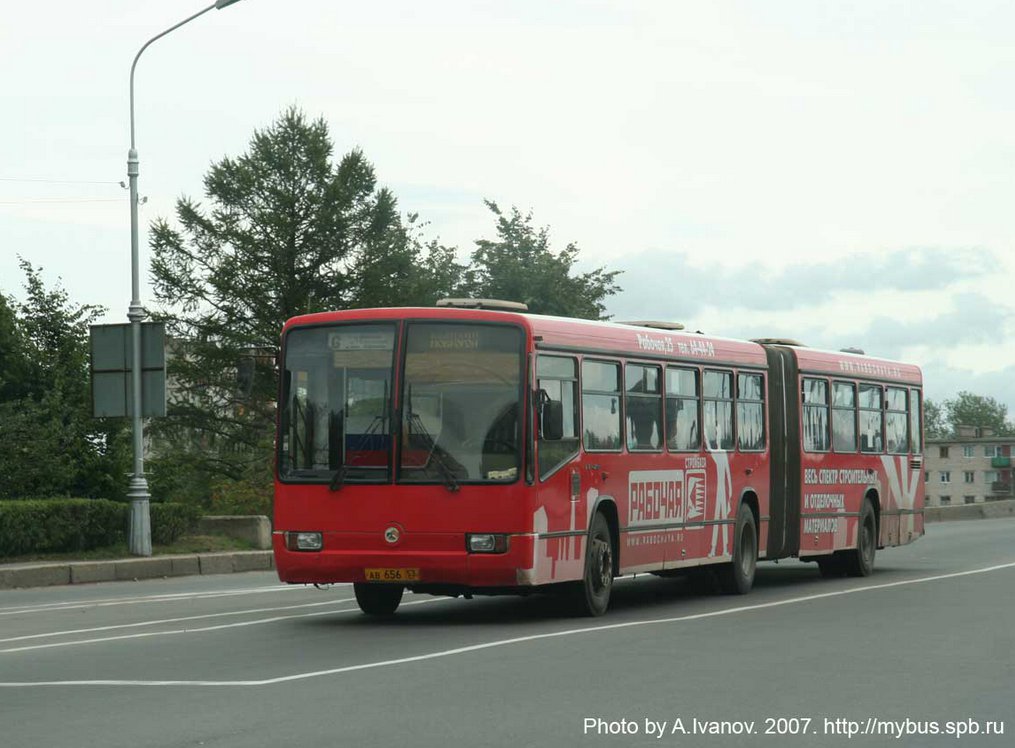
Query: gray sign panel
(112, 351)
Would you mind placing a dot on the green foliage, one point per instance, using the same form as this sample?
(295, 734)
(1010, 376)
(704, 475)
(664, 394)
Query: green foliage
(968, 409)
(52, 445)
(286, 232)
(243, 497)
(935, 426)
(68, 525)
(520, 266)
(170, 521)
(55, 525)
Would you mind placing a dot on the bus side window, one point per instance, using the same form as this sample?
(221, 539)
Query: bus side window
(915, 426)
(844, 416)
(871, 418)
(643, 405)
(815, 414)
(717, 388)
(557, 378)
(750, 413)
(683, 432)
(896, 420)
(601, 405)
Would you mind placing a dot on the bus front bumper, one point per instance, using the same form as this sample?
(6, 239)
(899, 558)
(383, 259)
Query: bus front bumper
(438, 559)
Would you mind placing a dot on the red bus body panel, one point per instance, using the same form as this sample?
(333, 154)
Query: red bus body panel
(672, 509)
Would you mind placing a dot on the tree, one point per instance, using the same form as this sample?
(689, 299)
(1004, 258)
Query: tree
(935, 425)
(520, 266)
(52, 444)
(968, 409)
(287, 232)
(14, 377)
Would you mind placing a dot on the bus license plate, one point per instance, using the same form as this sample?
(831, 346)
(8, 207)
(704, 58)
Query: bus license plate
(392, 575)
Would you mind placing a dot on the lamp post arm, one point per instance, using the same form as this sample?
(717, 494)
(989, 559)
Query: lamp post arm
(141, 51)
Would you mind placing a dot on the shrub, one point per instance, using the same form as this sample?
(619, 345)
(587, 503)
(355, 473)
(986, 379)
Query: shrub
(69, 525)
(247, 496)
(60, 525)
(170, 521)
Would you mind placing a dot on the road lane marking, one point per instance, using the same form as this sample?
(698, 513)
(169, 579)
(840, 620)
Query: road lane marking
(113, 627)
(504, 642)
(168, 597)
(176, 632)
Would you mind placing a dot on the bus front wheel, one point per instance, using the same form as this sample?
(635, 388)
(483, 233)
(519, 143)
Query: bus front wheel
(591, 596)
(378, 599)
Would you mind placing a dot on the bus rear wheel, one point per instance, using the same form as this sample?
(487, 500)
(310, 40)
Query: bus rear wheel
(737, 578)
(859, 562)
(591, 596)
(378, 599)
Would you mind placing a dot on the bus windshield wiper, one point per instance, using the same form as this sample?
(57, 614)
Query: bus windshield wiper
(338, 479)
(435, 453)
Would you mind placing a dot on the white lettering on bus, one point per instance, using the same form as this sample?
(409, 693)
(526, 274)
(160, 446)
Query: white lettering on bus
(817, 525)
(659, 345)
(847, 476)
(824, 501)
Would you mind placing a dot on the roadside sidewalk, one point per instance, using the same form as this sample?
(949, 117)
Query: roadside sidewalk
(46, 573)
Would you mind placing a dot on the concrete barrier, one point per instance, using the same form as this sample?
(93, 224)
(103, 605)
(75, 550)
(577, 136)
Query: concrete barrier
(984, 510)
(255, 529)
(84, 572)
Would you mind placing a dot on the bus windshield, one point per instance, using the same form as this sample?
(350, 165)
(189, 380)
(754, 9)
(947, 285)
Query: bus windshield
(336, 404)
(461, 394)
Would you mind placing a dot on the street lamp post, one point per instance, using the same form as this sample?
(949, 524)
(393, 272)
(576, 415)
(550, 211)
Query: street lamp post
(140, 536)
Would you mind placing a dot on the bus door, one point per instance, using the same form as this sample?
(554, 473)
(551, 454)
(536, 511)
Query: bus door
(784, 482)
(560, 517)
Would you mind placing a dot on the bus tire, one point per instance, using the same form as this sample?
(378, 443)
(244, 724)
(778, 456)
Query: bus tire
(591, 596)
(737, 578)
(378, 599)
(859, 562)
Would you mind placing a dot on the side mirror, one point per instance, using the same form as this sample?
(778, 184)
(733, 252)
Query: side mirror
(551, 420)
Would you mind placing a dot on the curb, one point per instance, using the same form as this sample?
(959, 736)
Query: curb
(46, 574)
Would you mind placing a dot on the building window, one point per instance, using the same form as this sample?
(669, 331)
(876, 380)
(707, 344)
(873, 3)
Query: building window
(991, 476)
(943, 453)
(969, 499)
(926, 475)
(968, 476)
(968, 451)
(946, 476)
(991, 450)
(945, 500)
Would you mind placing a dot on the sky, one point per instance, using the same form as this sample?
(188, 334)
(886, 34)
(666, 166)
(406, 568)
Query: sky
(837, 173)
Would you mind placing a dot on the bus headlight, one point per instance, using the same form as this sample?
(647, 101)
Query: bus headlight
(304, 541)
(486, 543)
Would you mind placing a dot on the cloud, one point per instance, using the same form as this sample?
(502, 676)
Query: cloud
(670, 284)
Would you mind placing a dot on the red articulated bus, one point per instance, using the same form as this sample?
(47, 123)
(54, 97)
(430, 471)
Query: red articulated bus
(473, 448)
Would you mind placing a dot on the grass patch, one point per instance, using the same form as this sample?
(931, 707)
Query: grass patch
(184, 544)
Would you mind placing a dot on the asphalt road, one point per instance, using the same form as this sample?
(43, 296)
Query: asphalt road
(240, 660)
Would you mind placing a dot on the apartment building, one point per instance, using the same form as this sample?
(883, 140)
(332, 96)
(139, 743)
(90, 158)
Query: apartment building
(970, 467)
